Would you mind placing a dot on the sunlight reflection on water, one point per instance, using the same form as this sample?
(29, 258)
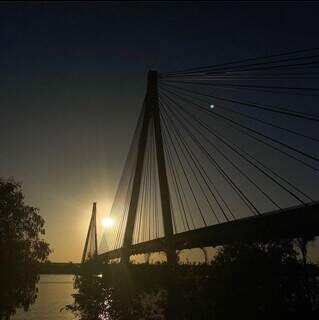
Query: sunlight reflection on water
(54, 293)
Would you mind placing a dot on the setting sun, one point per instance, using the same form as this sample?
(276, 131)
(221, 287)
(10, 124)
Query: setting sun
(107, 222)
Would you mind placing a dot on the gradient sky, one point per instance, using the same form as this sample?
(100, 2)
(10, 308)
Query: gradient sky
(73, 79)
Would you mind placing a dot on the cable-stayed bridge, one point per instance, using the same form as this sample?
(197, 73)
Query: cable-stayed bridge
(220, 154)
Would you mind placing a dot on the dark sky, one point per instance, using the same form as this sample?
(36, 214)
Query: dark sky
(72, 82)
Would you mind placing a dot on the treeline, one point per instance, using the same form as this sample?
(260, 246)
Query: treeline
(249, 281)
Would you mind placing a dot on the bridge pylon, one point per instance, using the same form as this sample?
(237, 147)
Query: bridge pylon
(151, 113)
(90, 247)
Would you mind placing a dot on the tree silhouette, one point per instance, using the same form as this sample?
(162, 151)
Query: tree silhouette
(21, 249)
(249, 281)
(261, 281)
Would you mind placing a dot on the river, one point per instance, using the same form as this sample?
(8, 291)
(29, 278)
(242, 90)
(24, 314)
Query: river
(54, 293)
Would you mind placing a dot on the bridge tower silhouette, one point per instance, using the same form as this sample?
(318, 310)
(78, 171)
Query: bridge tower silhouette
(90, 247)
(151, 114)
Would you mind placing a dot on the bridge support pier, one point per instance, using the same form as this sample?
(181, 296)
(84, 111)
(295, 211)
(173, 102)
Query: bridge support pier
(171, 257)
(125, 256)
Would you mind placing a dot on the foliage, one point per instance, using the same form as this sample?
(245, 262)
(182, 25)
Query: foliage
(261, 281)
(250, 281)
(21, 249)
(119, 294)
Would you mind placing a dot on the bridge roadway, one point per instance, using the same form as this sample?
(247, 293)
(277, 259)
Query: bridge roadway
(288, 223)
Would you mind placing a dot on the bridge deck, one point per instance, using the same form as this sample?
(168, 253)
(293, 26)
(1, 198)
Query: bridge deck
(289, 223)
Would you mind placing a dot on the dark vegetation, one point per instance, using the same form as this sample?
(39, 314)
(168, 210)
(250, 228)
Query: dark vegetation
(21, 249)
(248, 281)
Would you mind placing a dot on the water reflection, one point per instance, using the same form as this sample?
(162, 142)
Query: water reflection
(54, 292)
(17, 288)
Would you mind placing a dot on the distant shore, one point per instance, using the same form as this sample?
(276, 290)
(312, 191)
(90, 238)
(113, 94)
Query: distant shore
(59, 268)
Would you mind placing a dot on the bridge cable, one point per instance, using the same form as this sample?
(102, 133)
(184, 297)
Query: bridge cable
(256, 132)
(246, 159)
(170, 135)
(233, 147)
(199, 168)
(269, 108)
(274, 71)
(259, 120)
(239, 86)
(177, 181)
(187, 179)
(227, 178)
(236, 167)
(201, 69)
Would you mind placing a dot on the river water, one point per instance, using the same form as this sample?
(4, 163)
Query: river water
(54, 293)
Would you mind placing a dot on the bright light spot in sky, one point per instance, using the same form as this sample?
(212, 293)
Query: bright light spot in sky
(212, 106)
(107, 223)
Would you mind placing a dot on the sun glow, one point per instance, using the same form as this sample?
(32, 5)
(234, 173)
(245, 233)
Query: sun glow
(107, 223)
